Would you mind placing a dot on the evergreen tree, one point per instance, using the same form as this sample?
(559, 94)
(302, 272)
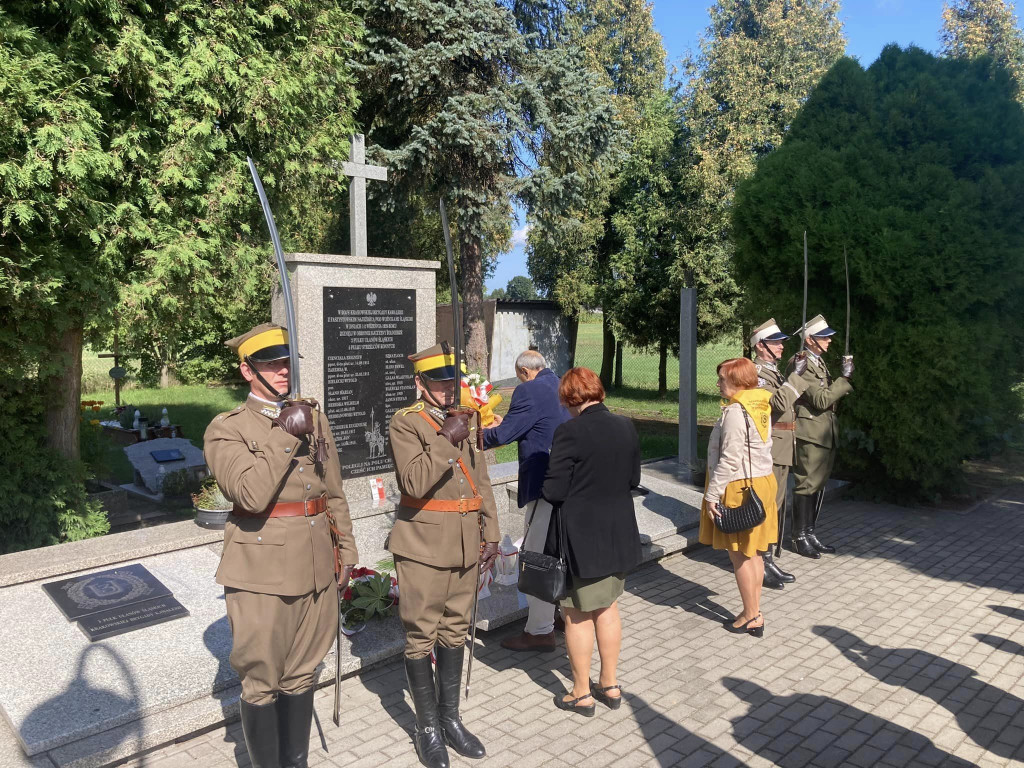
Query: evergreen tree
(455, 99)
(972, 28)
(916, 167)
(123, 184)
(759, 61)
(571, 253)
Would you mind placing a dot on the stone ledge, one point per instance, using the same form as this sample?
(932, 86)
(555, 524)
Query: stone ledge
(63, 559)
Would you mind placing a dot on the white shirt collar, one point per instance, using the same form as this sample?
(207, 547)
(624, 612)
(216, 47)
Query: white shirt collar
(275, 403)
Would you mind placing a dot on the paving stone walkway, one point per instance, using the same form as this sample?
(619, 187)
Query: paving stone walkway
(906, 649)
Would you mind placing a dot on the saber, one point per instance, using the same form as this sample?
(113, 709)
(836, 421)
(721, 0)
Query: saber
(803, 328)
(456, 326)
(337, 667)
(846, 266)
(286, 291)
(472, 631)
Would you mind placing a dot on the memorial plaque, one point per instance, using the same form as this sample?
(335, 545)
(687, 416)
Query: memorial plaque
(368, 337)
(117, 621)
(84, 595)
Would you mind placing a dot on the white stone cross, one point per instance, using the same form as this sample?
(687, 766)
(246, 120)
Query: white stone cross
(359, 172)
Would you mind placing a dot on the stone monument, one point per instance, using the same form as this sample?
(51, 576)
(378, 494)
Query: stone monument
(359, 317)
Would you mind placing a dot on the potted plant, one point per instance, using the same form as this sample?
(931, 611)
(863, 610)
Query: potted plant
(212, 508)
(370, 594)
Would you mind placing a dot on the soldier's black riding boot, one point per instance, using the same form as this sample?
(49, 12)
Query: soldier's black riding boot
(770, 580)
(815, 541)
(259, 725)
(777, 574)
(428, 737)
(803, 508)
(449, 681)
(294, 718)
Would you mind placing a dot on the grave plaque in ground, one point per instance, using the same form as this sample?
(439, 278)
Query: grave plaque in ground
(116, 601)
(368, 335)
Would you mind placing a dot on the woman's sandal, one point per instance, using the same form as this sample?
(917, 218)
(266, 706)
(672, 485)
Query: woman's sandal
(745, 628)
(570, 705)
(601, 694)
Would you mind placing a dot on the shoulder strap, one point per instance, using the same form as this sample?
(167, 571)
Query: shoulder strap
(461, 463)
(750, 460)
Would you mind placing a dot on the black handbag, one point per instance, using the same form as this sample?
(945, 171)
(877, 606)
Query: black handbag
(750, 513)
(544, 576)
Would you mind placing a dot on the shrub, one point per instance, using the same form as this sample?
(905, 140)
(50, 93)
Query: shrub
(42, 495)
(916, 166)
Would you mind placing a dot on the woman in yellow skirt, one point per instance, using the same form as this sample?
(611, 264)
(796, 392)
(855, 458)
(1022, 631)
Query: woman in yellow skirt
(740, 450)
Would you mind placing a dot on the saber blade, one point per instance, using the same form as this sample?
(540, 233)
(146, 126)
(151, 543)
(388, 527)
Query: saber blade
(803, 328)
(456, 325)
(286, 291)
(846, 266)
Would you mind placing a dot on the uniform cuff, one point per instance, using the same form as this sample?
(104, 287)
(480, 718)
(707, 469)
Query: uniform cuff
(281, 443)
(442, 447)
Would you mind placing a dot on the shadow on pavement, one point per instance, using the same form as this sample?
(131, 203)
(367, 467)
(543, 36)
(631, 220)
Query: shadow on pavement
(804, 729)
(659, 731)
(981, 710)
(1001, 643)
(1013, 613)
(649, 582)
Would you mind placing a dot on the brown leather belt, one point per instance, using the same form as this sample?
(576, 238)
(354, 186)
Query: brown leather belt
(442, 505)
(787, 426)
(308, 508)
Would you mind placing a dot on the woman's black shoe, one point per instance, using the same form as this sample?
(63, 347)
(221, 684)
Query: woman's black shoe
(745, 628)
(570, 705)
(601, 694)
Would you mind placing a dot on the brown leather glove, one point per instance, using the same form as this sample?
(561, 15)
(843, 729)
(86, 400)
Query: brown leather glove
(800, 363)
(296, 420)
(847, 366)
(456, 427)
(488, 554)
(344, 576)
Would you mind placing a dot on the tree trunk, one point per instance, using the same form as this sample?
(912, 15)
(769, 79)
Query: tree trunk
(165, 375)
(618, 365)
(472, 294)
(662, 370)
(64, 396)
(607, 352)
(747, 351)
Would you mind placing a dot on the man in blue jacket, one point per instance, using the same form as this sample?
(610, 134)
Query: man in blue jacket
(532, 417)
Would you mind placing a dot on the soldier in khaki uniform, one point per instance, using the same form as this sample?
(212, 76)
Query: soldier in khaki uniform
(446, 511)
(280, 567)
(767, 342)
(817, 436)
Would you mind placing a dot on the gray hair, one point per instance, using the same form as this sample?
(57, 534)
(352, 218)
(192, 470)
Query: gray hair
(531, 360)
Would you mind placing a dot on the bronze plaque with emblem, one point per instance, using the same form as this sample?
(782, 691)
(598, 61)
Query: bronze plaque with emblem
(369, 334)
(112, 602)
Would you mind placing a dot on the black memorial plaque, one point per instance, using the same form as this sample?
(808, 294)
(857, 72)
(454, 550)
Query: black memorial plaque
(368, 336)
(117, 621)
(84, 595)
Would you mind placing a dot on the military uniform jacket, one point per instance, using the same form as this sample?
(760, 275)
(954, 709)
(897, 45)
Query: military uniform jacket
(426, 467)
(785, 391)
(257, 465)
(816, 409)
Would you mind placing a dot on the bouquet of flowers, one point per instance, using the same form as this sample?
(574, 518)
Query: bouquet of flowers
(369, 594)
(477, 394)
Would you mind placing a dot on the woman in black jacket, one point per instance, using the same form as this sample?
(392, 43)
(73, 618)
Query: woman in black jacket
(595, 463)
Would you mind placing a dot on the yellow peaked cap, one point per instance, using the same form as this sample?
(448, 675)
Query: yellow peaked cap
(269, 338)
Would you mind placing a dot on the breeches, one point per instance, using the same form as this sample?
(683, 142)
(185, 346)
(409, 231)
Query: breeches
(812, 468)
(277, 642)
(434, 605)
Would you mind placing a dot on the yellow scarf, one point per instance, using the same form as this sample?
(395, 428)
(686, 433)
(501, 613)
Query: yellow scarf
(756, 403)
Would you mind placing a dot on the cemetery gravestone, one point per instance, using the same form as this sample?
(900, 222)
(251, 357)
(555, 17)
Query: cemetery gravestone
(148, 457)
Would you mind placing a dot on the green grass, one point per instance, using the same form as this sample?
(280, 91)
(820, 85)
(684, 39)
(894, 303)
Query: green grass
(639, 393)
(191, 407)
